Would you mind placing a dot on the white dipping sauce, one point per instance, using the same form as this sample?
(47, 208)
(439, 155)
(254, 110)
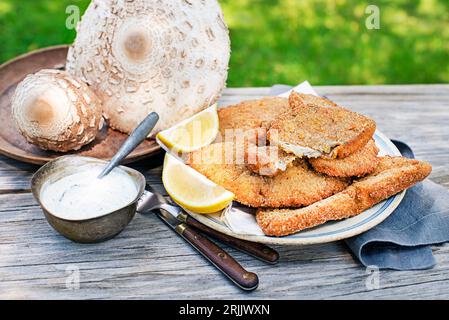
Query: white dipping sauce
(83, 196)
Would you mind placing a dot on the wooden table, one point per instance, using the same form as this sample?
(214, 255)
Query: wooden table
(147, 260)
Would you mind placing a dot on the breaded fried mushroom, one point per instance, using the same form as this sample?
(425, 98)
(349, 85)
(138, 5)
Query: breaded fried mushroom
(315, 130)
(299, 185)
(358, 164)
(393, 175)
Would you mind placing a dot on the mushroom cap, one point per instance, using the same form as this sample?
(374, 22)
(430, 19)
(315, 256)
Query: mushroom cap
(56, 112)
(140, 56)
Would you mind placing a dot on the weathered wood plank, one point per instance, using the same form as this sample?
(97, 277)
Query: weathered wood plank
(148, 261)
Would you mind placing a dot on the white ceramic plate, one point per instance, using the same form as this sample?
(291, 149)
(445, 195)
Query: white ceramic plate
(328, 232)
(244, 225)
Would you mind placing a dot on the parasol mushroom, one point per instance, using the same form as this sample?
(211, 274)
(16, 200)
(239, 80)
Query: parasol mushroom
(140, 56)
(56, 111)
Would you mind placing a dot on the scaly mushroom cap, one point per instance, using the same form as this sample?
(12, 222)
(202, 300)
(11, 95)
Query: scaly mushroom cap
(168, 56)
(56, 111)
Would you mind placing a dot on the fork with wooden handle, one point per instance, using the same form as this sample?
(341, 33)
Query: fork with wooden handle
(256, 250)
(188, 228)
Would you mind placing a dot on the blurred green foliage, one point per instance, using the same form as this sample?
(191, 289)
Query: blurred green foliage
(287, 41)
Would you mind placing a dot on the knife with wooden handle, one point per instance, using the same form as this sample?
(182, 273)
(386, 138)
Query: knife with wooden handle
(152, 200)
(256, 250)
(246, 280)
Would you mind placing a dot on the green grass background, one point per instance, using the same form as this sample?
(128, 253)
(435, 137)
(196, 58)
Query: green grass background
(287, 41)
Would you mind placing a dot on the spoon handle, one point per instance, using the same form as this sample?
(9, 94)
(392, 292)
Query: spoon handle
(137, 137)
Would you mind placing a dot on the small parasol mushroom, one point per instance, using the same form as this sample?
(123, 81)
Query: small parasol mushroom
(140, 56)
(56, 111)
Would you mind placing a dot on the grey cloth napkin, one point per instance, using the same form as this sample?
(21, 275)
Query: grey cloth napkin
(402, 241)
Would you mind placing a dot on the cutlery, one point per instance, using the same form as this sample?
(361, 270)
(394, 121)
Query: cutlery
(244, 279)
(152, 200)
(135, 138)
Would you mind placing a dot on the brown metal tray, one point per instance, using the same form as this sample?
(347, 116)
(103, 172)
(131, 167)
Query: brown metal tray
(14, 145)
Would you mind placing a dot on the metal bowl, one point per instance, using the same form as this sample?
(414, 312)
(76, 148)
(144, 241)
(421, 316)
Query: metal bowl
(89, 230)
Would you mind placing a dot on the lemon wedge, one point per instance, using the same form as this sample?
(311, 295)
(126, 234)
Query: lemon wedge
(194, 133)
(191, 190)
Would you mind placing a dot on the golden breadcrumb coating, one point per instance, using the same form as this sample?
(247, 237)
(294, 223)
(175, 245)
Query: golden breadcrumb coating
(298, 99)
(299, 185)
(392, 175)
(358, 164)
(268, 160)
(251, 118)
(334, 131)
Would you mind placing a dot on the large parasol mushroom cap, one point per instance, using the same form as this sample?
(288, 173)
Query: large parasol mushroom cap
(139, 56)
(56, 111)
